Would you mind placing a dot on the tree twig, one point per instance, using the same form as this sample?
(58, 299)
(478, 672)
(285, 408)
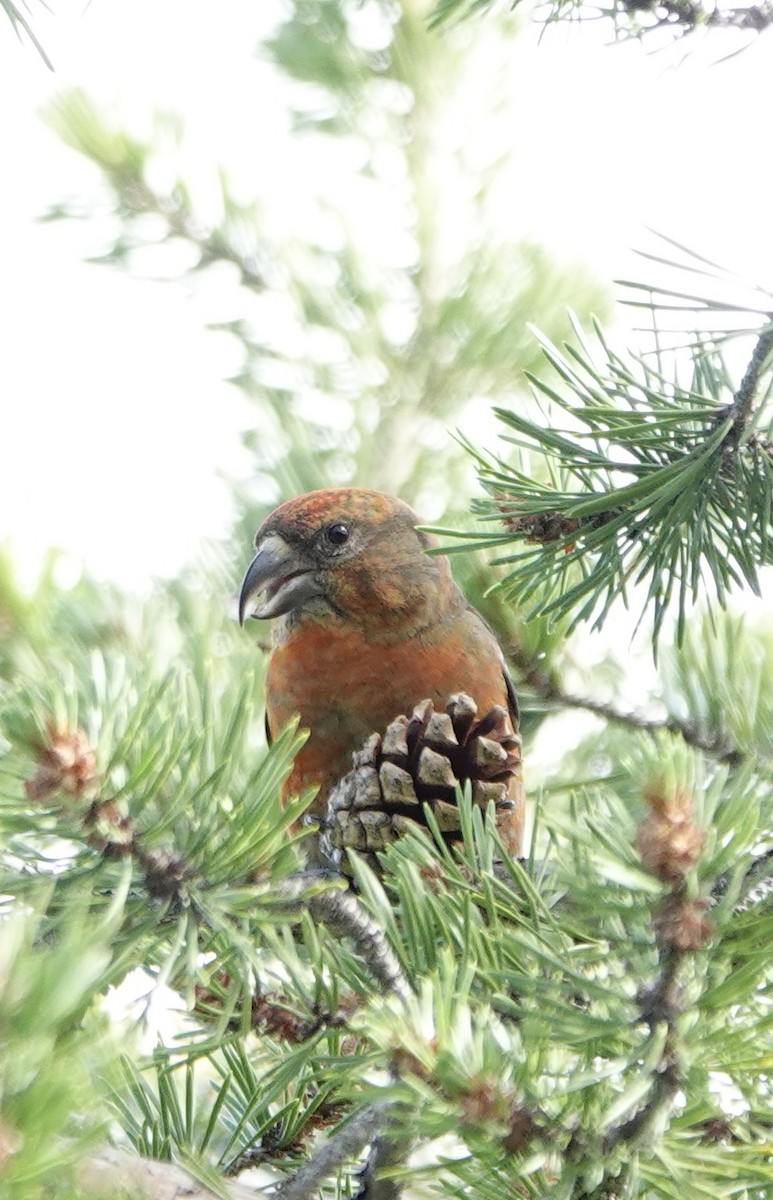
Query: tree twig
(547, 688)
(670, 844)
(662, 1003)
(689, 15)
(713, 744)
(333, 1154)
(343, 913)
(386, 1152)
(743, 400)
(757, 17)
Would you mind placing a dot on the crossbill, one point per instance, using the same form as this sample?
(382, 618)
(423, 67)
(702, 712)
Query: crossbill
(366, 625)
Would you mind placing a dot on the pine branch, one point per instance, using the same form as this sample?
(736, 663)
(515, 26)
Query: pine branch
(717, 746)
(757, 885)
(633, 18)
(344, 914)
(743, 400)
(670, 845)
(662, 1004)
(688, 15)
(386, 1152)
(344, 1146)
(547, 687)
(67, 770)
(122, 159)
(650, 483)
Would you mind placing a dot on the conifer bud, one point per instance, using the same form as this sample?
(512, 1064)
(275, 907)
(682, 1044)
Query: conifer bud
(66, 763)
(682, 926)
(668, 840)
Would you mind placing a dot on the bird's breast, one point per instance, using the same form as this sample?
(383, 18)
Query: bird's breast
(344, 687)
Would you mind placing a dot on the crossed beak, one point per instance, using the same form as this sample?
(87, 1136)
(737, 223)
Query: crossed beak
(280, 575)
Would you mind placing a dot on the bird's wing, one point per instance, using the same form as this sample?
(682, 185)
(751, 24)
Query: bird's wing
(267, 727)
(512, 699)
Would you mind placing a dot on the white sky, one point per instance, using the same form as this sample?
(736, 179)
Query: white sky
(115, 425)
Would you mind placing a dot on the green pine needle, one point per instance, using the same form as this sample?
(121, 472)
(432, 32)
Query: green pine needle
(636, 487)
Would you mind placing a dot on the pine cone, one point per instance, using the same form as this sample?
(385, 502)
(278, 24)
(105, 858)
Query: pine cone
(420, 760)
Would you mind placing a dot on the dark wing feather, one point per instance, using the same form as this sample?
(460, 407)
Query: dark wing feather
(269, 738)
(512, 699)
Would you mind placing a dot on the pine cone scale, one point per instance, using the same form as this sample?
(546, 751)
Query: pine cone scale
(419, 760)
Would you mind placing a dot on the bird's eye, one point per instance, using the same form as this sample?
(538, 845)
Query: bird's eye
(336, 535)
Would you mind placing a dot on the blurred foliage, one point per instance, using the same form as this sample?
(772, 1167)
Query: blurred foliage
(628, 19)
(721, 682)
(363, 342)
(53, 1044)
(21, 26)
(592, 1021)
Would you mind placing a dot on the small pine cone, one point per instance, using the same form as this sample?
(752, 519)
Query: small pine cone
(668, 839)
(66, 763)
(419, 760)
(681, 924)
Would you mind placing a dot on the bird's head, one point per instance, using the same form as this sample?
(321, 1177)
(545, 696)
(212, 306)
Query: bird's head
(347, 553)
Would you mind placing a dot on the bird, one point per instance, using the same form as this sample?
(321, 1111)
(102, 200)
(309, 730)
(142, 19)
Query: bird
(366, 624)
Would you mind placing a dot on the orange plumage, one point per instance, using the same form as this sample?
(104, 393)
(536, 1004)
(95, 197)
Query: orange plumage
(366, 625)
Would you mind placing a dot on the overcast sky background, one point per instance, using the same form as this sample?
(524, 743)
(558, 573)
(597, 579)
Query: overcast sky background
(117, 430)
